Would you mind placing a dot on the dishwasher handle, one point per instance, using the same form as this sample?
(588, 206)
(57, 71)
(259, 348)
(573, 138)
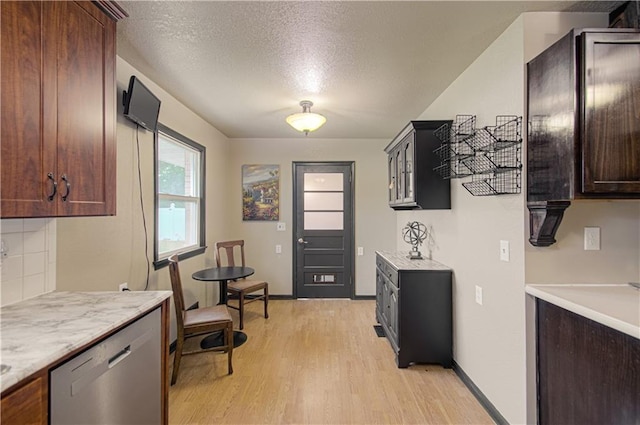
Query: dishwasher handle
(123, 354)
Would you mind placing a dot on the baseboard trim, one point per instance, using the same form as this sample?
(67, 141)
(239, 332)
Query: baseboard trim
(484, 401)
(254, 296)
(280, 297)
(291, 297)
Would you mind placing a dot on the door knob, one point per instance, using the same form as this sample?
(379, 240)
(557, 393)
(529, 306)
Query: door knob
(302, 241)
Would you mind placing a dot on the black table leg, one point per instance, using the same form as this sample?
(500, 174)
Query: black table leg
(223, 292)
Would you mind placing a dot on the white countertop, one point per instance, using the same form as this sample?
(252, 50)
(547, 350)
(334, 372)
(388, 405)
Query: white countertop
(39, 331)
(400, 261)
(615, 306)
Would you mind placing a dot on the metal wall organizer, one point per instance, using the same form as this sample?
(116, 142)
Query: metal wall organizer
(454, 148)
(491, 155)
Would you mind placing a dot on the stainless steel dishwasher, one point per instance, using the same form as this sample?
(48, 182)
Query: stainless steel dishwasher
(116, 381)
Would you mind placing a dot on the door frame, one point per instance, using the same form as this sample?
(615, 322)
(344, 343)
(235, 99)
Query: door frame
(294, 241)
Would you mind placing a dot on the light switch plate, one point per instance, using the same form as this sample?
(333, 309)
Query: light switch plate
(504, 251)
(281, 226)
(479, 294)
(278, 249)
(360, 250)
(592, 239)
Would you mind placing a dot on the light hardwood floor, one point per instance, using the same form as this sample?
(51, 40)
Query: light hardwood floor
(316, 362)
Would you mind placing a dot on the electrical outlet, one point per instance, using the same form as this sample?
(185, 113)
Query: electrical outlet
(479, 294)
(123, 287)
(592, 239)
(281, 226)
(360, 251)
(278, 249)
(504, 251)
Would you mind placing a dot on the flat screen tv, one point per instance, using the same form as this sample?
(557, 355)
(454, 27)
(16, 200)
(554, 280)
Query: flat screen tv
(141, 105)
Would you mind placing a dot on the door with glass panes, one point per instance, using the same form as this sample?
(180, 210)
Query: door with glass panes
(323, 229)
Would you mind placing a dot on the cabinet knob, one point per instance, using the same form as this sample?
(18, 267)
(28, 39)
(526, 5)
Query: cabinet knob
(302, 241)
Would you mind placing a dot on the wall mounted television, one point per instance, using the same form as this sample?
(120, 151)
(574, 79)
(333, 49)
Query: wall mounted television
(141, 105)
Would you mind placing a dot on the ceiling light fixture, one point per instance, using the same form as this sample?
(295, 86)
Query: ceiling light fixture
(306, 120)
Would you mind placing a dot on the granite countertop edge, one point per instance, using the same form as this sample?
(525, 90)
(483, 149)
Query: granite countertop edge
(400, 261)
(63, 322)
(604, 313)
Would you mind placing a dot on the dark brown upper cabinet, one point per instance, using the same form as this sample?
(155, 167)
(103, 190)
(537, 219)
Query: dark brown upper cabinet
(413, 183)
(583, 125)
(58, 109)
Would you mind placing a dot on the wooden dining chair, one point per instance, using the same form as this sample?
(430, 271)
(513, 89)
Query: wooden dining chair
(242, 287)
(199, 321)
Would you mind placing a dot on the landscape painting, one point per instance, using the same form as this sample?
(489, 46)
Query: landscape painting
(260, 192)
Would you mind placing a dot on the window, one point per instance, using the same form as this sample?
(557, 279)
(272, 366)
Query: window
(179, 206)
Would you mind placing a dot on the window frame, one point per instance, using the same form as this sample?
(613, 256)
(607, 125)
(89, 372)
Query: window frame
(159, 263)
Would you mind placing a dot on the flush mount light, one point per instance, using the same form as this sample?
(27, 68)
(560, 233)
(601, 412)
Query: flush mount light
(306, 120)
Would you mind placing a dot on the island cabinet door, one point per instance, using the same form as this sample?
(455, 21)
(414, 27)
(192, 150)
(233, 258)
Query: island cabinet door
(588, 373)
(27, 404)
(379, 284)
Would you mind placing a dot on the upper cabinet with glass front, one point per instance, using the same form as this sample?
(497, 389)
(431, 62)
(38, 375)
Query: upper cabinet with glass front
(413, 183)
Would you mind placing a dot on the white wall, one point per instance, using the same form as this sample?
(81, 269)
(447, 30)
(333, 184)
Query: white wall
(29, 260)
(617, 260)
(492, 341)
(374, 220)
(488, 339)
(99, 253)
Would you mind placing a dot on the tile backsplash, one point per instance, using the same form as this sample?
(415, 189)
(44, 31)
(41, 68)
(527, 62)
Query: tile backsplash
(28, 258)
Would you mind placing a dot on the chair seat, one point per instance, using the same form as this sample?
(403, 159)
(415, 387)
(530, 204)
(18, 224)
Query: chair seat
(206, 315)
(246, 285)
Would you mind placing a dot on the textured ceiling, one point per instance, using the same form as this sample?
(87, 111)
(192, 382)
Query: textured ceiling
(369, 67)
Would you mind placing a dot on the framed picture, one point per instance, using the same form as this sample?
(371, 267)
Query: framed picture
(260, 192)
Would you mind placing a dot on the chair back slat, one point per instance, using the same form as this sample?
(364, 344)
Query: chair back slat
(240, 288)
(229, 247)
(176, 286)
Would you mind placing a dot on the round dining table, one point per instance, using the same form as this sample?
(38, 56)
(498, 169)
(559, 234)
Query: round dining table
(222, 275)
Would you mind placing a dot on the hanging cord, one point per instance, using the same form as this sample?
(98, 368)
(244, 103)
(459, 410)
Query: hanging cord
(144, 218)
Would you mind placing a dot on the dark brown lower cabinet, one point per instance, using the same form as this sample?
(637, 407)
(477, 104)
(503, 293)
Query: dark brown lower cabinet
(27, 404)
(588, 373)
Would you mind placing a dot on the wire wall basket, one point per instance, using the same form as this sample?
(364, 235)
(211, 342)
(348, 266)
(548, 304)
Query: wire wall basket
(491, 155)
(494, 184)
(454, 147)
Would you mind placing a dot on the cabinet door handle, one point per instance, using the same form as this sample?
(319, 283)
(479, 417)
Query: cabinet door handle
(65, 179)
(55, 187)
